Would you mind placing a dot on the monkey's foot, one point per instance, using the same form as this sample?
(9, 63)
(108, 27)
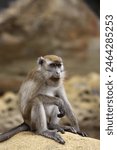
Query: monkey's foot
(53, 135)
(62, 129)
(73, 130)
(69, 129)
(57, 127)
(82, 133)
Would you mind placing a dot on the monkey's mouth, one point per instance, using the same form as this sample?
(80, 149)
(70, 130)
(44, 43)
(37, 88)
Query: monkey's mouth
(55, 79)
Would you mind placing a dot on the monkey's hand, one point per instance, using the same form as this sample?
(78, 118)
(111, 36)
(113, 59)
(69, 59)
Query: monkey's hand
(61, 110)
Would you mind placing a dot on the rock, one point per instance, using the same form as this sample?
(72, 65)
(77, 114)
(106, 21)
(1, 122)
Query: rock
(83, 94)
(27, 140)
(9, 112)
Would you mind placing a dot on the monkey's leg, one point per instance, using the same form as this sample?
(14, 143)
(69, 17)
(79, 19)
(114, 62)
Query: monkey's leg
(39, 121)
(54, 121)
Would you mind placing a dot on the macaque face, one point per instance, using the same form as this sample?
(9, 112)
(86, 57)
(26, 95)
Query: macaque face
(53, 66)
(56, 69)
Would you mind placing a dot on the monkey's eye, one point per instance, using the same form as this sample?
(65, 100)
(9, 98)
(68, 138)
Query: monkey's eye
(52, 65)
(59, 65)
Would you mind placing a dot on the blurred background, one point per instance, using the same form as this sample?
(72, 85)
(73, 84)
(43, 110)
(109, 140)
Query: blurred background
(68, 28)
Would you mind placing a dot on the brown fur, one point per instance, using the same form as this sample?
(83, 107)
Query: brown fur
(53, 58)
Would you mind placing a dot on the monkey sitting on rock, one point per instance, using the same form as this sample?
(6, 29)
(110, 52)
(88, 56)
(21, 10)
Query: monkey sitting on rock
(43, 101)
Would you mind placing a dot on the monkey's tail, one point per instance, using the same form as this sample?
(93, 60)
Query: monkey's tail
(22, 127)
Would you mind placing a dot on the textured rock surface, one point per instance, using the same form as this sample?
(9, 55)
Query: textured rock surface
(9, 113)
(83, 93)
(29, 141)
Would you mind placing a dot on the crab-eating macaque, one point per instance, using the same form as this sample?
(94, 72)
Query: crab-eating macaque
(43, 101)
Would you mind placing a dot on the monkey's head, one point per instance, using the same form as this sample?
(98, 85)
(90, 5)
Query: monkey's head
(52, 67)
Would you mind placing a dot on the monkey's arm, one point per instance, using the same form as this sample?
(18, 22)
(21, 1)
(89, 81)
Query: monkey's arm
(69, 112)
(53, 101)
(68, 109)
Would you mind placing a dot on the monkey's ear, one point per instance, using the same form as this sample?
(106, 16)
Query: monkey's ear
(40, 60)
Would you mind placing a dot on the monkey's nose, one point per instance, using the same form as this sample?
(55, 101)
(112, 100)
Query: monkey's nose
(57, 74)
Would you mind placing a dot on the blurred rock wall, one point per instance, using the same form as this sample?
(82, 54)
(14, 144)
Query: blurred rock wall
(32, 28)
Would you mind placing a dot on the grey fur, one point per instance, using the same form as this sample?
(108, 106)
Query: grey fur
(43, 101)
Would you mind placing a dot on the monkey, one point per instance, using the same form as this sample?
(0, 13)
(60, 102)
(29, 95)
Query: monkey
(43, 101)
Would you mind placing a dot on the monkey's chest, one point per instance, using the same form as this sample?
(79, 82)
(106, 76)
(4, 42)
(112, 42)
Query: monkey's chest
(49, 91)
(49, 109)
